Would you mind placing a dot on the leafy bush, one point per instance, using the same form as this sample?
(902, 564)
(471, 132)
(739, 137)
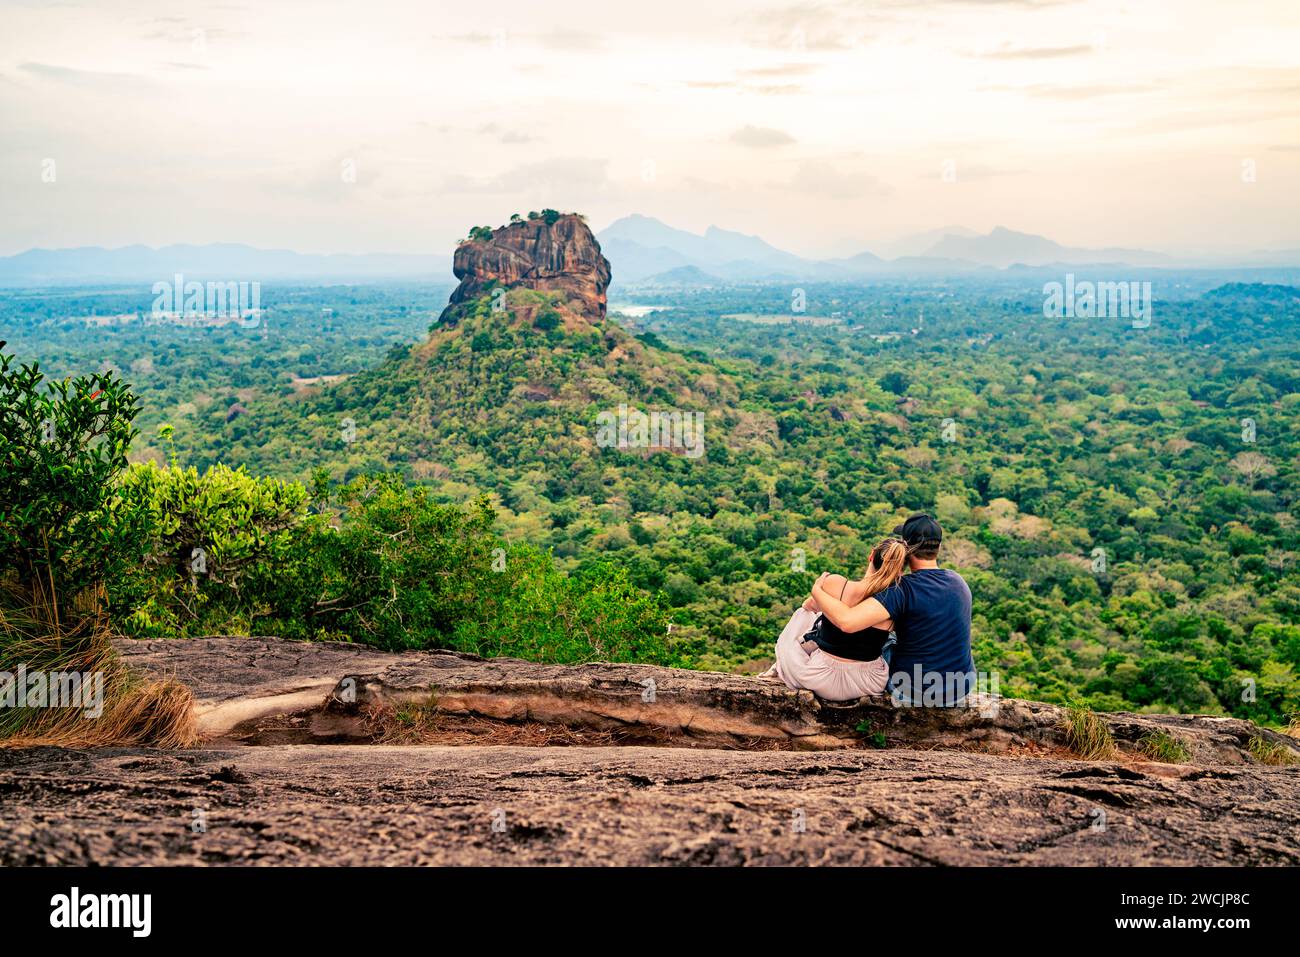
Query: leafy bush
(398, 571)
(534, 611)
(63, 534)
(402, 571)
(207, 535)
(62, 443)
(371, 561)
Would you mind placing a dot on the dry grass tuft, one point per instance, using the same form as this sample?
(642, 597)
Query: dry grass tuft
(134, 711)
(1271, 752)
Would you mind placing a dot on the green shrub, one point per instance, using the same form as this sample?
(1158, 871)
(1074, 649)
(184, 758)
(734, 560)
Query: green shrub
(209, 536)
(402, 571)
(534, 611)
(62, 531)
(398, 571)
(63, 534)
(1165, 747)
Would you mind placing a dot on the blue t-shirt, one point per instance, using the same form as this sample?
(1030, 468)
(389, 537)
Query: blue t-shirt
(930, 608)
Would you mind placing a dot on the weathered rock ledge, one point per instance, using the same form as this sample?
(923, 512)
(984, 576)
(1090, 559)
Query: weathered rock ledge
(733, 786)
(265, 690)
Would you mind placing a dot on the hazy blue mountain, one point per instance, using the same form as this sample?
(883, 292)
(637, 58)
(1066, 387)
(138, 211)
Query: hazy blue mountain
(730, 246)
(1271, 257)
(917, 244)
(862, 262)
(639, 247)
(683, 276)
(1005, 247)
(647, 232)
(632, 262)
(215, 262)
(929, 265)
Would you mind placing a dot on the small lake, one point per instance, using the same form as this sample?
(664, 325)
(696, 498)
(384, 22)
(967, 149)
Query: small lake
(636, 312)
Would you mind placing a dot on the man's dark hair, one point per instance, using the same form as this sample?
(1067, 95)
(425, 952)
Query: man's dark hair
(922, 534)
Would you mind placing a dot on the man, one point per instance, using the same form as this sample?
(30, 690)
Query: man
(930, 611)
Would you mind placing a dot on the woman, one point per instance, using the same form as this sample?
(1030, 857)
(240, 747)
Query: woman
(813, 654)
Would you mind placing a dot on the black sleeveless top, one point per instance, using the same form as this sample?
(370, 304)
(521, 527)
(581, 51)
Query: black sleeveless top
(863, 645)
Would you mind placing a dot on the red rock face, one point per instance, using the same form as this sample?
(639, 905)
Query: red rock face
(560, 257)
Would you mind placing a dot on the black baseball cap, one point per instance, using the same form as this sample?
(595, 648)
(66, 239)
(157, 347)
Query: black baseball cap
(921, 533)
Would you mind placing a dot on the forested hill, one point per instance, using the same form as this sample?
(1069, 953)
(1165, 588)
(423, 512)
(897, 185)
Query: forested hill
(1254, 292)
(514, 394)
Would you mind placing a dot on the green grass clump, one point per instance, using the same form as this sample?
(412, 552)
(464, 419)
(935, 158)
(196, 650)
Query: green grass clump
(1087, 735)
(1165, 747)
(1270, 752)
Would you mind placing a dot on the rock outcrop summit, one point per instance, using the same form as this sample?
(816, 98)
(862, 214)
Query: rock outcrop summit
(550, 253)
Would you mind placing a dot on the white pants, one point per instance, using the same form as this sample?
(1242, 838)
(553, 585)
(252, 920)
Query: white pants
(826, 676)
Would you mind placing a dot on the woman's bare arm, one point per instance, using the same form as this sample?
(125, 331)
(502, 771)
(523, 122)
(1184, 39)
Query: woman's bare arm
(855, 594)
(835, 583)
(867, 613)
(851, 594)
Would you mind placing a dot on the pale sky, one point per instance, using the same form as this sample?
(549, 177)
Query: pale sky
(820, 126)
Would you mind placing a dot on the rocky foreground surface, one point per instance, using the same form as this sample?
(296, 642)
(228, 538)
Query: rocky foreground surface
(658, 767)
(356, 804)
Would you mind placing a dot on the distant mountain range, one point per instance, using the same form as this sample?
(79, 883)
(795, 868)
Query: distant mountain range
(644, 249)
(640, 248)
(1005, 247)
(209, 263)
(918, 244)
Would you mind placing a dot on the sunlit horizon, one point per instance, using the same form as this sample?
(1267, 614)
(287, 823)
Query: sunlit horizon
(823, 128)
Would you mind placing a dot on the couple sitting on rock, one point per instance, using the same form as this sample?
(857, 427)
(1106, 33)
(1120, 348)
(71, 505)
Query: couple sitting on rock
(908, 633)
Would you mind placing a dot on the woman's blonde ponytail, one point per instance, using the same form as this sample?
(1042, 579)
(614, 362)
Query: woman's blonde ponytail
(888, 560)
